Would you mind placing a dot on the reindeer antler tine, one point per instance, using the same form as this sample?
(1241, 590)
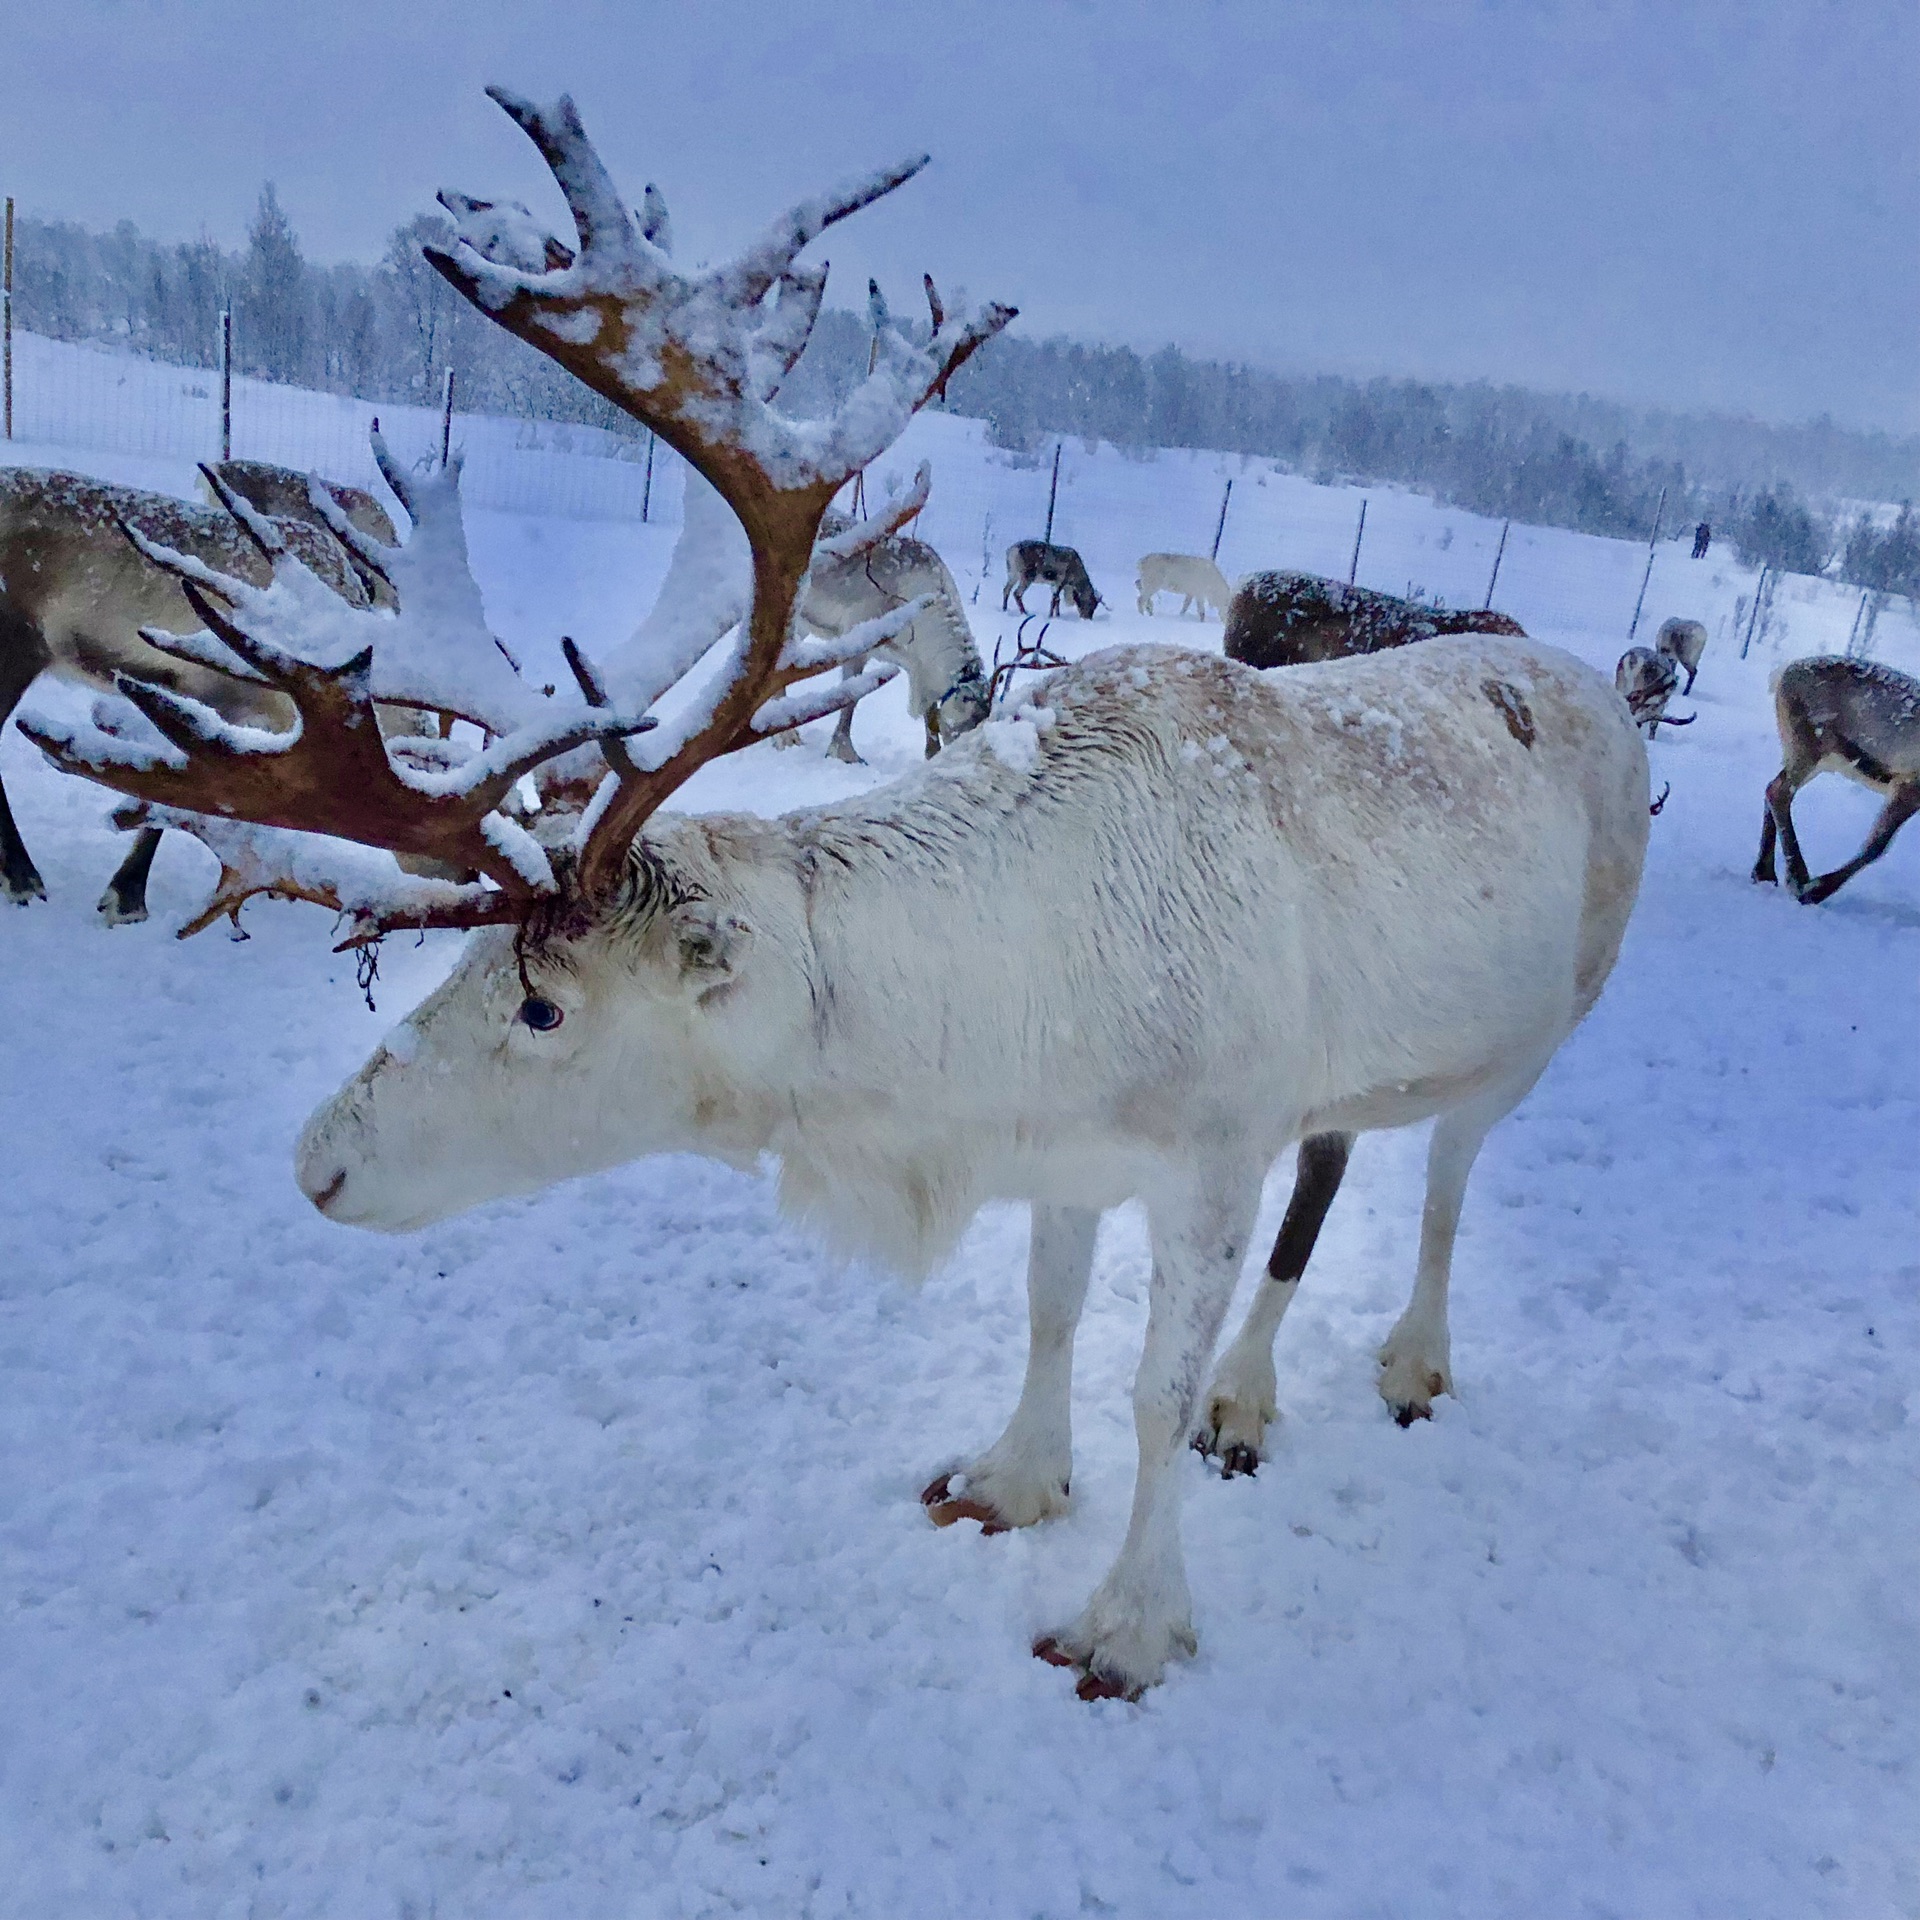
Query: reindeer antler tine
(268, 662)
(864, 535)
(934, 306)
(593, 690)
(397, 482)
(599, 216)
(168, 560)
(656, 224)
(182, 722)
(253, 523)
(190, 648)
(746, 281)
(366, 554)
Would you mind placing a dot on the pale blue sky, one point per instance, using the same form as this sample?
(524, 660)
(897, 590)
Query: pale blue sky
(1709, 205)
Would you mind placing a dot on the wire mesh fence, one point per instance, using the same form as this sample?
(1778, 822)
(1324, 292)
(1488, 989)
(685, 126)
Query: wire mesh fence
(73, 395)
(90, 399)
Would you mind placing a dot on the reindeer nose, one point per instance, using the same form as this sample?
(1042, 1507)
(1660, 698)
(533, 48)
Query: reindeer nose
(322, 1192)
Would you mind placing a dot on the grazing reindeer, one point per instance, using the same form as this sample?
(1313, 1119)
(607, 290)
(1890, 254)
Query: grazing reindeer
(1683, 642)
(1646, 680)
(78, 599)
(1060, 568)
(1841, 716)
(1224, 907)
(75, 598)
(1286, 619)
(946, 679)
(1199, 583)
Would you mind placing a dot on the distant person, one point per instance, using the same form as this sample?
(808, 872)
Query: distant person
(1702, 540)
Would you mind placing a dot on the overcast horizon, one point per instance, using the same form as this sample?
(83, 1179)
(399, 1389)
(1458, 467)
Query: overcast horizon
(1683, 208)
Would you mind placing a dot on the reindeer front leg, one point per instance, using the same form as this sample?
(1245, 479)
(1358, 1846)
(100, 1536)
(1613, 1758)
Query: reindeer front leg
(1024, 1476)
(1141, 1614)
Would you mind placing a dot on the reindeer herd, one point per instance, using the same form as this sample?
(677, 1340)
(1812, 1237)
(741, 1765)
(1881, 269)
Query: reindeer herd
(1209, 910)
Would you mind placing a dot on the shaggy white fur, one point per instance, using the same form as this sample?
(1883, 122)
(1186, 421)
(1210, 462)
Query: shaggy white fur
(1212, 912)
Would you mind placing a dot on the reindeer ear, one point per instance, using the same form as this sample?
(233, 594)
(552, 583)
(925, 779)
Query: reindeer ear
(711, 944)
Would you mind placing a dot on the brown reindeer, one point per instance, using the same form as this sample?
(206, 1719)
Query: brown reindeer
(74, 596)
(1058, 567)
(1836, 715)
(1283, 619)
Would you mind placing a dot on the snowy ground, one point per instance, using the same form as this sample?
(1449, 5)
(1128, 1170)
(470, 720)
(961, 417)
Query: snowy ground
(565, 1560)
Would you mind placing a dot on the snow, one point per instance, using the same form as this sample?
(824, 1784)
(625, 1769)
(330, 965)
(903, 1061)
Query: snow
(565, 1560)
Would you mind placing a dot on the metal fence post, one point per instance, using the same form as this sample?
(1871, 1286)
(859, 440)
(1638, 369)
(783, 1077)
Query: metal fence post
(1499, 553)
(1359, 534)
(1221, 527)
(8, 302)
(226, 384)
(1653, 540)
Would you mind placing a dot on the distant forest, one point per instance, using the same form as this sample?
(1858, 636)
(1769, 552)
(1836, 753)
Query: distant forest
(391, 330)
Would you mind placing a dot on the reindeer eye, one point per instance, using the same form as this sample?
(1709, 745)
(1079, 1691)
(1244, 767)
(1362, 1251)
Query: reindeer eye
(541, 1015)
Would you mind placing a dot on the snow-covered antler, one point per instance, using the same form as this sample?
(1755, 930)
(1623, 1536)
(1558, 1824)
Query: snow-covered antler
(699, 358)
(332, 773)
(437, 651)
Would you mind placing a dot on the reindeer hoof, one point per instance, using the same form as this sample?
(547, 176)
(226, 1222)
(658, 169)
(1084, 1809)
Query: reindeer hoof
(1093, 1684)
(1404, 1415)
(1239, 1460)
(115, 912)
(945, 1507)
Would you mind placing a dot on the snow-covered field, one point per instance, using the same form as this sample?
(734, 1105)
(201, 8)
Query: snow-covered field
(565, 1560)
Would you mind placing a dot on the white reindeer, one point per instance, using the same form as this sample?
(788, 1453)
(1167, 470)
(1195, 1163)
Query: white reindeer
(1199, 583)
(1168, 917)
(1684, 642)
(946, 679)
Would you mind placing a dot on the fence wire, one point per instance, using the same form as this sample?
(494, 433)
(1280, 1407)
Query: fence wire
(87, 398)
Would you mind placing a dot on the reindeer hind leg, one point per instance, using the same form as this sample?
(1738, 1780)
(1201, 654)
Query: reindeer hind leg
(1416, 1361)
(1902, 804)
(1241, 1399)
(1763, 867)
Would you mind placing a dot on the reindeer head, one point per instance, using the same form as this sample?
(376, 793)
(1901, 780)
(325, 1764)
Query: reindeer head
(580, 1027)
